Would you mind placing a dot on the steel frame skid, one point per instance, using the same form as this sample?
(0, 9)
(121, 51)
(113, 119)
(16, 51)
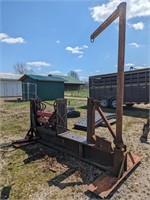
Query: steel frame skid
(113, 158)
(50, 129)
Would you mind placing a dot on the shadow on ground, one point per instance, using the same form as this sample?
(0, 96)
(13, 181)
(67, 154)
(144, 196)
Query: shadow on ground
(70, 166)
(128, 111)
(5, 193)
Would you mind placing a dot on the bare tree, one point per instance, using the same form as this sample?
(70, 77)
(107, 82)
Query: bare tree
(22, 69)
(86, 85)
(74, 74)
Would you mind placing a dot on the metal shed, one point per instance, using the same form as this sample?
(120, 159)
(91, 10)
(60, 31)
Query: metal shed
(9, 85)
(70, 83)
(45, 87)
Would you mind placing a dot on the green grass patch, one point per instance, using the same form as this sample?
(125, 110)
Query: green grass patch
(24, 178)
(77, 103)
(77, 93)
(14, 105)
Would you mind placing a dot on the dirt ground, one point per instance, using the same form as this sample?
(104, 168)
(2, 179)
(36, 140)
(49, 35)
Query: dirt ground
(37, 172)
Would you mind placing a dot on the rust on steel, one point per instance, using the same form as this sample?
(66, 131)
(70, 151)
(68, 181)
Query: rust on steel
(104, 25)
(94, 105)
(61, 116)
(105, 183)
(120, 77)
(92, 149)
(121, 13)
(97, 106)
(90, 122)
(103, 144)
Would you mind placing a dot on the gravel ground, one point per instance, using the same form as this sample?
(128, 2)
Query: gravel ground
(37, 172)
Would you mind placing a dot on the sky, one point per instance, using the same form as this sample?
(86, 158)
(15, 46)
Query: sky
(53, 36)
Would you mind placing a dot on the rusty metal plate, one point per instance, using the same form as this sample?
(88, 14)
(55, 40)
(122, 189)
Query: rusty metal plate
(106, 183)
(24, 142)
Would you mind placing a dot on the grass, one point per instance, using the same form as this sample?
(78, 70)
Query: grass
(19, 170)
(83, 93)
(27, 171)
(21, 175)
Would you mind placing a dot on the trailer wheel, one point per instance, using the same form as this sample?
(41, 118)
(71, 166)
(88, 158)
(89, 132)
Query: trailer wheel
(104, 102)
(113, 103)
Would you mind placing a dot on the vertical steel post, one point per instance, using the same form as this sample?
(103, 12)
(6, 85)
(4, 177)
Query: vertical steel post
(121, 13)
(90, 121)
(61, 115)
(120, 76)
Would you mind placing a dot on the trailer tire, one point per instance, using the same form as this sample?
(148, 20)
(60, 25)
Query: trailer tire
(70, 109)
(104, 102)
(73, 114)
(113, 103)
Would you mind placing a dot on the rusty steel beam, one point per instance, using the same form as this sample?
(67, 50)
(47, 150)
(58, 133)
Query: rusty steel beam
(104, 119)
(99, 153)
(106, 182)
(121, 13)
(92, 106)
(61, 116)
(120, 76)
(93, 149)
(90, 121)
(104, 25)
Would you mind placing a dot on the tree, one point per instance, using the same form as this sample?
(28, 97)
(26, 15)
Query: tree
(20, 68)
(74, 74)
(86, 85)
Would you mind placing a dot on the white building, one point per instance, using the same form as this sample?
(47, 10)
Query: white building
(9, 85)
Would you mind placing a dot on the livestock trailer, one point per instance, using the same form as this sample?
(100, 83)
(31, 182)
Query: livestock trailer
(136, 88)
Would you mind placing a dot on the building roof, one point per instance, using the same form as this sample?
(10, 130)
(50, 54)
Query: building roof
(10, 76)
(68, 79)
(58, 78)
(41, 78)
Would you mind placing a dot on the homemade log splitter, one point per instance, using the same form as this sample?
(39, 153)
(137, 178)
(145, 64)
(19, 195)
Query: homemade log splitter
(51, 128)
